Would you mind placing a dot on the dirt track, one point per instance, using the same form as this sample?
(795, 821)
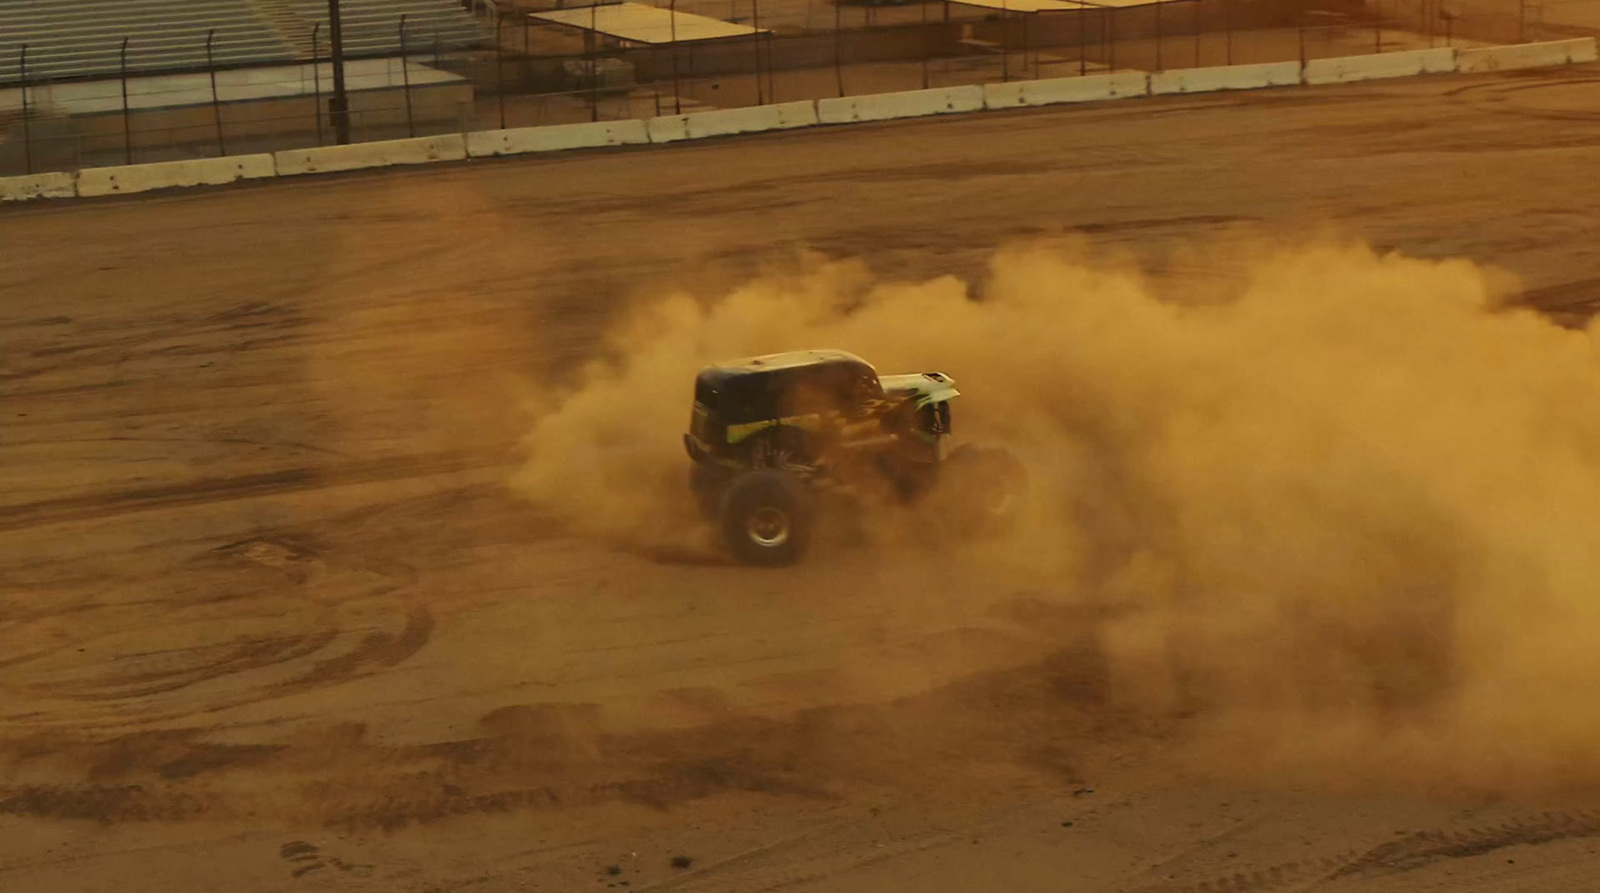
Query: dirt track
(269, 618)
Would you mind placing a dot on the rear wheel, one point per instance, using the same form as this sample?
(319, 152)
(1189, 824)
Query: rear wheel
(766, 518)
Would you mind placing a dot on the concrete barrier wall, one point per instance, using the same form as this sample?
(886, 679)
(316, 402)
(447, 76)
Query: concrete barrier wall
(668, 128)
(273, 119)
(1348, 69)
(556, 138)
(910, 104)
(95, 181)
(57, 184)
(1527, 55)
(329, 159)
(1226, 77)
(1092, 88)
(1585, 50)
(885, 106)
(726, 122)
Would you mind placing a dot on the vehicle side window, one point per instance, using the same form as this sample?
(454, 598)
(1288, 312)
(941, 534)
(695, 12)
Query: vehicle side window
(857, 387)
(847, 387)
(802, 393)
(827, 387)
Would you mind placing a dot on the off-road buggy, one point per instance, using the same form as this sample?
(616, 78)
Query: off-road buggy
(771, 434)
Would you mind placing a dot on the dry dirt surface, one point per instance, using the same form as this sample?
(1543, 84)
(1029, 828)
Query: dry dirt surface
(275, 615)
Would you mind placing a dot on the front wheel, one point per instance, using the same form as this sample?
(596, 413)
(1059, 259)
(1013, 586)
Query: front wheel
(766, 518)
(706, 483)
(984, 487)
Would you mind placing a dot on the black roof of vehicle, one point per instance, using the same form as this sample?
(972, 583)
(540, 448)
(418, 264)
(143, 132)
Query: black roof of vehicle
(775, 362)
(750, 388)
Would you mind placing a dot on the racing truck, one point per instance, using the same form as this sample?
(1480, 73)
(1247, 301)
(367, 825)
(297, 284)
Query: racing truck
(770, 434)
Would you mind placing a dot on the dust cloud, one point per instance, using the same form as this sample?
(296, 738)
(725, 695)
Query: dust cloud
(1346, 516)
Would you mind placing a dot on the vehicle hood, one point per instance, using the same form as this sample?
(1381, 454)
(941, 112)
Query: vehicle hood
(925, 388)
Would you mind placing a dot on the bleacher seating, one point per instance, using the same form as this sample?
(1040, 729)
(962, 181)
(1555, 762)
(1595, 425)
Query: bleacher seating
(83, 38)
(372, 27)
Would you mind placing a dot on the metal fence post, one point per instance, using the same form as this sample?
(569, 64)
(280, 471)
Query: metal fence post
(1111, 39)
(1083, 40)
(593, 39)
(1027, 45)
(838, 44)
(1300, 29)
(405, 78)
(340, 107)
(926, 51)
(672, 39)
(1005, 42)
(772, 76)
(216, 102)
(1027, 48)
(500, 66)
(1227, 26)
(316, 78)
(127, 123)
(755, 41)
(27, 127)
(1197, 30)
(1158, 35)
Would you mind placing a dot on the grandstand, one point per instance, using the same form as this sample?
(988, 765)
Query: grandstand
(83, 38)
(372, 27)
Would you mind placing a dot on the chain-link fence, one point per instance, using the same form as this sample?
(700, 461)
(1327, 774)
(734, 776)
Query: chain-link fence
(530, 71)
(1496, 21)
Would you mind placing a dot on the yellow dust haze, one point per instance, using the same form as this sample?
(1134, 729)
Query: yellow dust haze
(1350, 512)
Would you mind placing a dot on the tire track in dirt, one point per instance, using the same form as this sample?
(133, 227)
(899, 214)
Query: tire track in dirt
(1426, 847)
(208, 490)
(251, 654)
(304, 858)
(107, 804)
(1498, 96)
(1413, 851)
(377, 650)
(557, 757)
(362, 622)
